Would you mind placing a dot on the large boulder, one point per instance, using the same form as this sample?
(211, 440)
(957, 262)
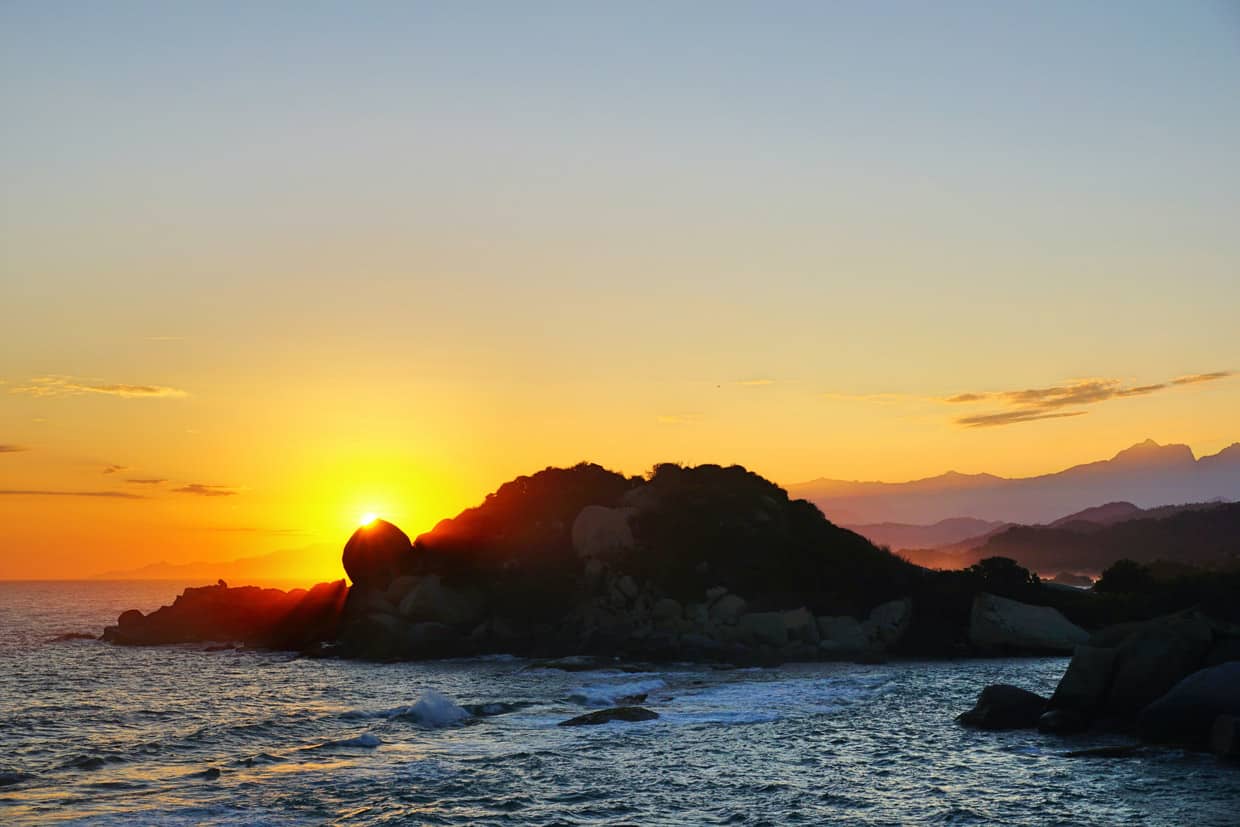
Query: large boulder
(887, 622)
(1000, 623)
(727, 609)
(842, 635)
(377, 554)
(762, 629)
(431, 600)
(600, 532)
(1001, 706)
(1186, 713)
(1153, 658)
(1083, 687)
(801, 626)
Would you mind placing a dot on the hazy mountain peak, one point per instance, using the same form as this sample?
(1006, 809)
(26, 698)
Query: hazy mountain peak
(1150, 452)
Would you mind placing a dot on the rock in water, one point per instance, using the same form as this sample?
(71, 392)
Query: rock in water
(1084, 686)
(606, 716)
(999, 622)
(1187, 712)
(377, 554)
(1001, 706)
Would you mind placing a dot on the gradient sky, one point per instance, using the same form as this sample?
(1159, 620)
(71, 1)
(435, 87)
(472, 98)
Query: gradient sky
(265, 267)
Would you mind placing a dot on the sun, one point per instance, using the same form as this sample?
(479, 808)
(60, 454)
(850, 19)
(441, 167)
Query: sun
(367, 518)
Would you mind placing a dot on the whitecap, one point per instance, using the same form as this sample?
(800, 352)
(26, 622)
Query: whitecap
(365, 741)
(609, 694)
(434, 710)
(431, 709)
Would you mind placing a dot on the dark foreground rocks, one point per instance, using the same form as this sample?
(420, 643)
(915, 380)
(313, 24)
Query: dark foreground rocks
(1001, 706)
(1160, 679)
(630, 714)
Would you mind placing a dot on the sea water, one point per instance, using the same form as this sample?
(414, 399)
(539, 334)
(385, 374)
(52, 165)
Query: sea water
(97, 734)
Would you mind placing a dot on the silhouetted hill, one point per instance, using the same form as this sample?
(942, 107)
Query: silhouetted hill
(1146, 475)
(943, 533)
(1202, 534)
(691, 529)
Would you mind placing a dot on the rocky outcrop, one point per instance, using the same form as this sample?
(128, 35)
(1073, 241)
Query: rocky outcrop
(257, 617)
(605, 716)
(1000, 624)
(376, 555)
(1001, 706)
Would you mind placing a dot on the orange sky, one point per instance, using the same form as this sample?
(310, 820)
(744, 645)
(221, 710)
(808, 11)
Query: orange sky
(281, 271)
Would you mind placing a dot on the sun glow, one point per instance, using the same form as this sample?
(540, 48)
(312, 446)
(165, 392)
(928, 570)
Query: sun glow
(367, 518)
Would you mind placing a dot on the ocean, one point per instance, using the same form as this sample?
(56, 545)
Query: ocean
(96, 734)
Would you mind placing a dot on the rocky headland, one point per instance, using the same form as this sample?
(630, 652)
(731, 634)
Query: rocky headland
(703, 563)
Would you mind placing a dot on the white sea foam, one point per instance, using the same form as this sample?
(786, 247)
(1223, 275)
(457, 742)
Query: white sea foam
(431, 709)
(608, 693)
(434, 710)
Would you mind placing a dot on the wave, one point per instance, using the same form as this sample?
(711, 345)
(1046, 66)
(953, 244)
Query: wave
(610, 694)
(363, 741)
(431, 709)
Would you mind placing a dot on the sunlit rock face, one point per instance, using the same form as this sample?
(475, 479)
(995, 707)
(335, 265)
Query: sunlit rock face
(376, 554)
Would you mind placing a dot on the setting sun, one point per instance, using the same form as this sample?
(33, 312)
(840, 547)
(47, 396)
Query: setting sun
(367, 518)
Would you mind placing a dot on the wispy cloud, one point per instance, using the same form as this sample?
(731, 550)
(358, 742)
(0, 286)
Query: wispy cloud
(206, 490)
(112, 469)
(1032, 404)
(1012, 417)
(120, 495)
(52, 386)
(1197, 378)
(12, 449)
(755, 383)
(147, 482)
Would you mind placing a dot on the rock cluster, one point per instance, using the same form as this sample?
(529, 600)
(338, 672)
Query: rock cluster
(1171, 679)
(269, 618)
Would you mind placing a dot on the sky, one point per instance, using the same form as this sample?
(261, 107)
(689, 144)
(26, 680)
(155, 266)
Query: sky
(267, 267)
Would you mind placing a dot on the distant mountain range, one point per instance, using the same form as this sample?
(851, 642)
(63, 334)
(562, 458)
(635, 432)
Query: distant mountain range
(1144, 475)
(287, 564)
(1089, 541)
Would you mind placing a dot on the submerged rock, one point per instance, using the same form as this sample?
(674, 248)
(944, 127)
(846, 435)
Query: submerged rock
(1001, 706)
(605, 716)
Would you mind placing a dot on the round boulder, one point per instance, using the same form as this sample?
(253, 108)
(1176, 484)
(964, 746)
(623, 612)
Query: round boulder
(376, 554)
(1001, 706)
(1186, 713)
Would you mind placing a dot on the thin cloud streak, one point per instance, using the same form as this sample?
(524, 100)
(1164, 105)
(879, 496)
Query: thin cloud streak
(54, 386)
(112, 469)
(119, 495)
(1198, 378)
(202, 490)
(1032, 404)
(12, 449)
(1012, 417)
(147, 482)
